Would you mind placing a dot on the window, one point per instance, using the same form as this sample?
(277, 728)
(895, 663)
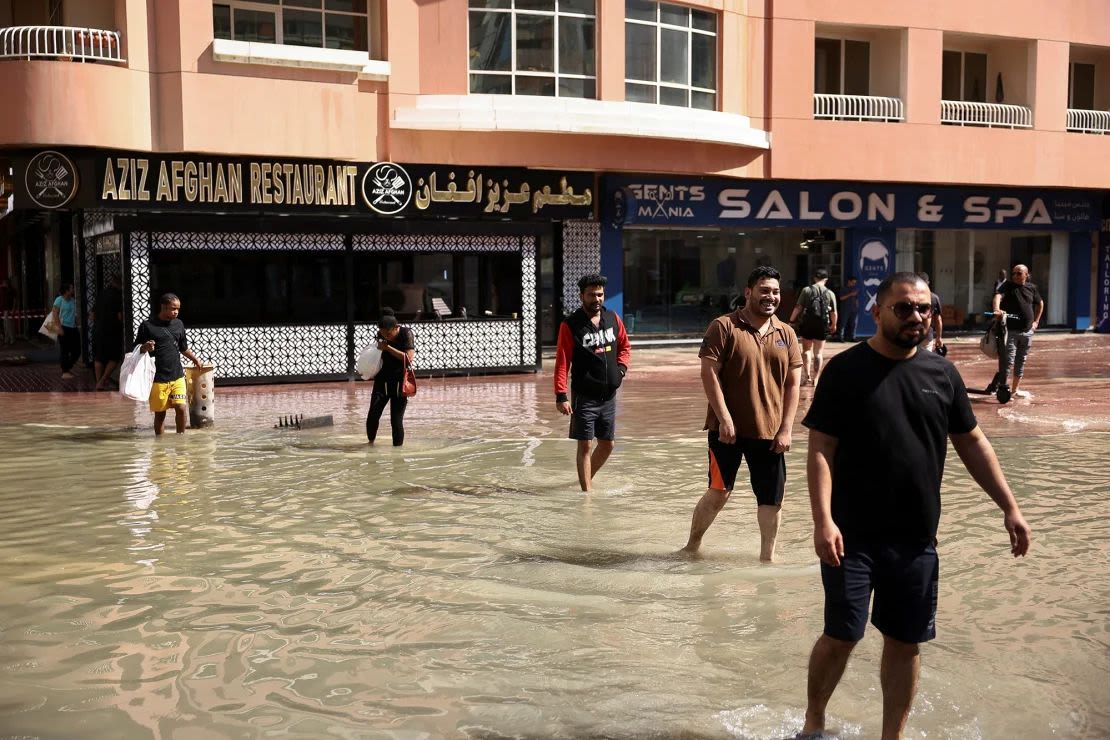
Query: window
(670, 55)
(964, 76)
(842, 67)
(418, 286)
(328, 24)
(533, 47)
(254, 287)
(1081, 86)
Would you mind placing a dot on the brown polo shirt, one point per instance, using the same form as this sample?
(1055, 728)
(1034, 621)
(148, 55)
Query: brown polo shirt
(753, 372)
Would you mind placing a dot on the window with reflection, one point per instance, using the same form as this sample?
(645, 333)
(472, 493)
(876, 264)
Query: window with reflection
(533, 47)
(670, 55)
(328, 24)
(437, 285)
(253, 288)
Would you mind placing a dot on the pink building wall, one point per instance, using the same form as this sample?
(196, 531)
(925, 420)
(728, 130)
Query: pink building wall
(172, 95)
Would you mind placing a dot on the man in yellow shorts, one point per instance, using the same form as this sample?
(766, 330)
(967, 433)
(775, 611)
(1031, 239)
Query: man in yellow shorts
(164, 336)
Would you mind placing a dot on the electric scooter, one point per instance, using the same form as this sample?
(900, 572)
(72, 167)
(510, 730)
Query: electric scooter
(998, 387)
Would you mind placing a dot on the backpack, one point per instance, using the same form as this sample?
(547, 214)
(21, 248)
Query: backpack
(815, 311)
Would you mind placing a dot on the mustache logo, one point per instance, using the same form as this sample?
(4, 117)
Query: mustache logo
(873, 282)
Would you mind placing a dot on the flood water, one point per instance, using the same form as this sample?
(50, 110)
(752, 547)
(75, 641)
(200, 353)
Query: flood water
(244, 582)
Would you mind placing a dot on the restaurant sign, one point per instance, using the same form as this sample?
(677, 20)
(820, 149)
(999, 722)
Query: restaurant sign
(178, 182)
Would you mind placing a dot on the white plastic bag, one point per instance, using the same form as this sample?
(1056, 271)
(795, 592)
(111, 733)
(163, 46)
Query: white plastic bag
(369, 362)
(50, 327)
(136, 375)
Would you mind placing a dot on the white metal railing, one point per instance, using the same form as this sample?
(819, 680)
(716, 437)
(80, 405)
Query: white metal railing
(1089, 121)
(985, 114)
(857, 108)
(60, 42)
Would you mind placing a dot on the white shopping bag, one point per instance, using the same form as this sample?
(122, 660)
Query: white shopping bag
(50, 327)
(369, 363)
(136, 375)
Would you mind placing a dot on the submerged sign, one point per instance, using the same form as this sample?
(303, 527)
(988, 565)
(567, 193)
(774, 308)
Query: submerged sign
(724, 202)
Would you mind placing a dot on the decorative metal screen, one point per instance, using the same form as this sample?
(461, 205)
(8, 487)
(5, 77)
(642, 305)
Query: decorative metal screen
(581, 256)
(211, 241)
(272, 351)
(262, 352)
(138, 277)
(451, 345)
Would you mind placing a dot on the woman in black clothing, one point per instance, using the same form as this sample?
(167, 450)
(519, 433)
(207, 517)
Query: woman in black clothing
(398, 348)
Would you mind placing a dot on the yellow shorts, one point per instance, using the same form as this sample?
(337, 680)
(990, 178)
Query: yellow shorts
(164, 395)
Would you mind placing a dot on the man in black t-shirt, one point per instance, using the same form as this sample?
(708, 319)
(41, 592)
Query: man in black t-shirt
(879, 426)
(164, 336)
(1021, 301)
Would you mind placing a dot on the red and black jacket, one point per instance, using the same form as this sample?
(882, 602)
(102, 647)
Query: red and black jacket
(597, 356)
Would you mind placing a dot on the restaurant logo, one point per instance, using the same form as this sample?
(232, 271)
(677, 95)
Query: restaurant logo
(386, 188)
(51, 179)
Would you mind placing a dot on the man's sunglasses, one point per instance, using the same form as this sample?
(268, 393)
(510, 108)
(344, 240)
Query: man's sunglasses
(904, 309)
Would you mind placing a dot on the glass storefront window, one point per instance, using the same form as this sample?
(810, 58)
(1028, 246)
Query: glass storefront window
(965, 267)
(420, 286)
(678, 280)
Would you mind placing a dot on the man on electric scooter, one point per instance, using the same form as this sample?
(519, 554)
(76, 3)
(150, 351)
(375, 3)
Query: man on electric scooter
(1019, 303)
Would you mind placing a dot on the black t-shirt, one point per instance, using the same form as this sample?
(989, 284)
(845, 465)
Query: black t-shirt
(169, 343)
(393, 368)
(891, 419)
(109, 304)
(934, 301)
(1020, 301)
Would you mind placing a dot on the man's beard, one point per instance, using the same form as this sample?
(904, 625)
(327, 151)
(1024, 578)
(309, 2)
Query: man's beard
(902, 340)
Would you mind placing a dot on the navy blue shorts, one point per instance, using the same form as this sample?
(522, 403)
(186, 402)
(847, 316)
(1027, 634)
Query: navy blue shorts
(593, 417)
(766, 469)
(904, 578)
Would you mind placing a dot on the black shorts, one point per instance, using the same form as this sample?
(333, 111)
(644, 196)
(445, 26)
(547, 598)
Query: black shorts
(904, 578)
(766, 469)
(813, 333)
(593, 417)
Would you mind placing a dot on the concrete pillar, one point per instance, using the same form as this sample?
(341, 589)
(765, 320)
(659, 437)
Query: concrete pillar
(921, 74)
(1048, 77)
(610, 49)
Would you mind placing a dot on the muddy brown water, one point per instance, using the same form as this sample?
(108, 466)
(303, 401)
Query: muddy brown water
(244, 582)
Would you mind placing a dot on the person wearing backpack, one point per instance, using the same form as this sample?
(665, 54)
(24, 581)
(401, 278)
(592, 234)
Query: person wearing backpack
(817, 308)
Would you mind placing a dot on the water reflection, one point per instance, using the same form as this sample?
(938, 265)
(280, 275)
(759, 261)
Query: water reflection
(251, 582)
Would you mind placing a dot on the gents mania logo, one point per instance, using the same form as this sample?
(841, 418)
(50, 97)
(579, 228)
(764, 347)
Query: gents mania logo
(387, 188)
(51, 179)
(656, 200)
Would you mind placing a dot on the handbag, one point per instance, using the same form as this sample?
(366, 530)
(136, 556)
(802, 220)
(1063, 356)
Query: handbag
(993, 339)
(408, 385)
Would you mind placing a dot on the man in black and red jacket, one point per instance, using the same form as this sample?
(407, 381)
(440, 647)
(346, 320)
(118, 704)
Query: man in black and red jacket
(594, 347)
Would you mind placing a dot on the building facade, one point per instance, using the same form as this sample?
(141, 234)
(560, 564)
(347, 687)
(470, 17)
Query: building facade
(672, 145)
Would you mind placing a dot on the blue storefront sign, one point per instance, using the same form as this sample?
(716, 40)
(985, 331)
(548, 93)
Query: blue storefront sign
(871, 253)
(664, 201)
(1102, 271)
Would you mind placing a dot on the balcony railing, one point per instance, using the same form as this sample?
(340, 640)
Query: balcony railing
(857, 108)
(995, 115)
(1089, 121)
(60, 42)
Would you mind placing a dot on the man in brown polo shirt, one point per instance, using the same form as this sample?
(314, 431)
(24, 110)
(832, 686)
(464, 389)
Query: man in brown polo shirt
(751, 369)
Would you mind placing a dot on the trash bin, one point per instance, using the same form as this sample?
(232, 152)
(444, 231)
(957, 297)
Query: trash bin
(200, 388)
